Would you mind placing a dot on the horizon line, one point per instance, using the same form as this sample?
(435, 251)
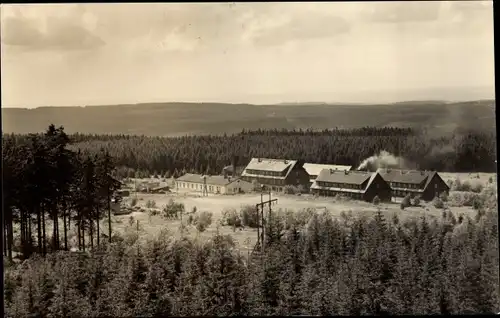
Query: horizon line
(285, 103)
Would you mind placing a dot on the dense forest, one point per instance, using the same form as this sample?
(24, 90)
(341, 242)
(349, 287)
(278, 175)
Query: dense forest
(142, 156)
(462, 151)
(345, 266)
(45, 182)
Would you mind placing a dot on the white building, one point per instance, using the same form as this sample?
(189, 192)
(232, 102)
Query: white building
(214, 184)
(314, 169)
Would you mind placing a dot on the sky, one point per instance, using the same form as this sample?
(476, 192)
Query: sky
(96, 54)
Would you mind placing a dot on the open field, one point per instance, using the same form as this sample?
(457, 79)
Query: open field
(218, 118)
(473, 177)
(150, 227)
(217, 203)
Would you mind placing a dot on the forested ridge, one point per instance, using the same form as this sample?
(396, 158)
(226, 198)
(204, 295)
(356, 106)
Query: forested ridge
(461, 151)
(176, 119)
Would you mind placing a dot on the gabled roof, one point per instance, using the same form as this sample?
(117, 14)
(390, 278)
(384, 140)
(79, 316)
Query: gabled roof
(346, 177)
(406, 176)
(313, 169)
(211, 180)
(352, 177)
(276, 165)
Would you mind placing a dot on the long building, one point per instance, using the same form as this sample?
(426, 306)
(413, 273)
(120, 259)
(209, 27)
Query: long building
(313, 169)
(212, 184)
(426, 184)
(360, 185)
(275, 174)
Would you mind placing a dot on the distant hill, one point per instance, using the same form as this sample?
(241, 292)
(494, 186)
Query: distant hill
(174, 119)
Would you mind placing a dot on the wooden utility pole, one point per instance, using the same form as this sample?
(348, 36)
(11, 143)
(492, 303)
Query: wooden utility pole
(260, 236)
(204, 191)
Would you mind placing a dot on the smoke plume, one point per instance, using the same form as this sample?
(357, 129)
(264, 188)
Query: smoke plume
(383, 160)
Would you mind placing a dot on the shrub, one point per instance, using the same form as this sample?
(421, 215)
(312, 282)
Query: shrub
(477, 203)
(444, 196)
(290, 189)
(376, 200)
(303, 216)
(250, 216)
(153, 212)
(150, 204)
(256, 185)
(462, 198)
(302, 189)
(190, 219)
(230, 217)
(203, 220)
(173, 210)
(438, 203)
(468, 186)
(406, 202)
(416, 201)
(477, 187)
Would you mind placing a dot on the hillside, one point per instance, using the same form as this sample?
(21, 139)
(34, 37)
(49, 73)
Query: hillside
(171, 119)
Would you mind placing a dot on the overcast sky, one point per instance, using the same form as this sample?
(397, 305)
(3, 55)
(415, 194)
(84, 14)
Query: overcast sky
(82, 54)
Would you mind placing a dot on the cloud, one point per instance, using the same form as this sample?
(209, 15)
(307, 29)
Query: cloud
(404, 11)
(35, 33)
(297, 28)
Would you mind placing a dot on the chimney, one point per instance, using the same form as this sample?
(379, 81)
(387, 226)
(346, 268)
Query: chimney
(286, 161)
(346, 172)
(259, 160)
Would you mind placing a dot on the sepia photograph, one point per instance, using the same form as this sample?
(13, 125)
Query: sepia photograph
(249, 159)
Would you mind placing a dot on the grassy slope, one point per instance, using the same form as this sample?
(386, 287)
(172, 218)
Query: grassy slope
(170, 119)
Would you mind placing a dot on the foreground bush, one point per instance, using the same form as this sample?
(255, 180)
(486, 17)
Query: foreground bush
(202, 220)
(250, 216)
(350, 266)
(462, 198)
(231, 217)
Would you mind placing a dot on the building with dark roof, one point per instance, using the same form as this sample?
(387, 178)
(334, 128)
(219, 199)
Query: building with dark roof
(275, 174)
(425, 184)
(359, 185)
(214, 184)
